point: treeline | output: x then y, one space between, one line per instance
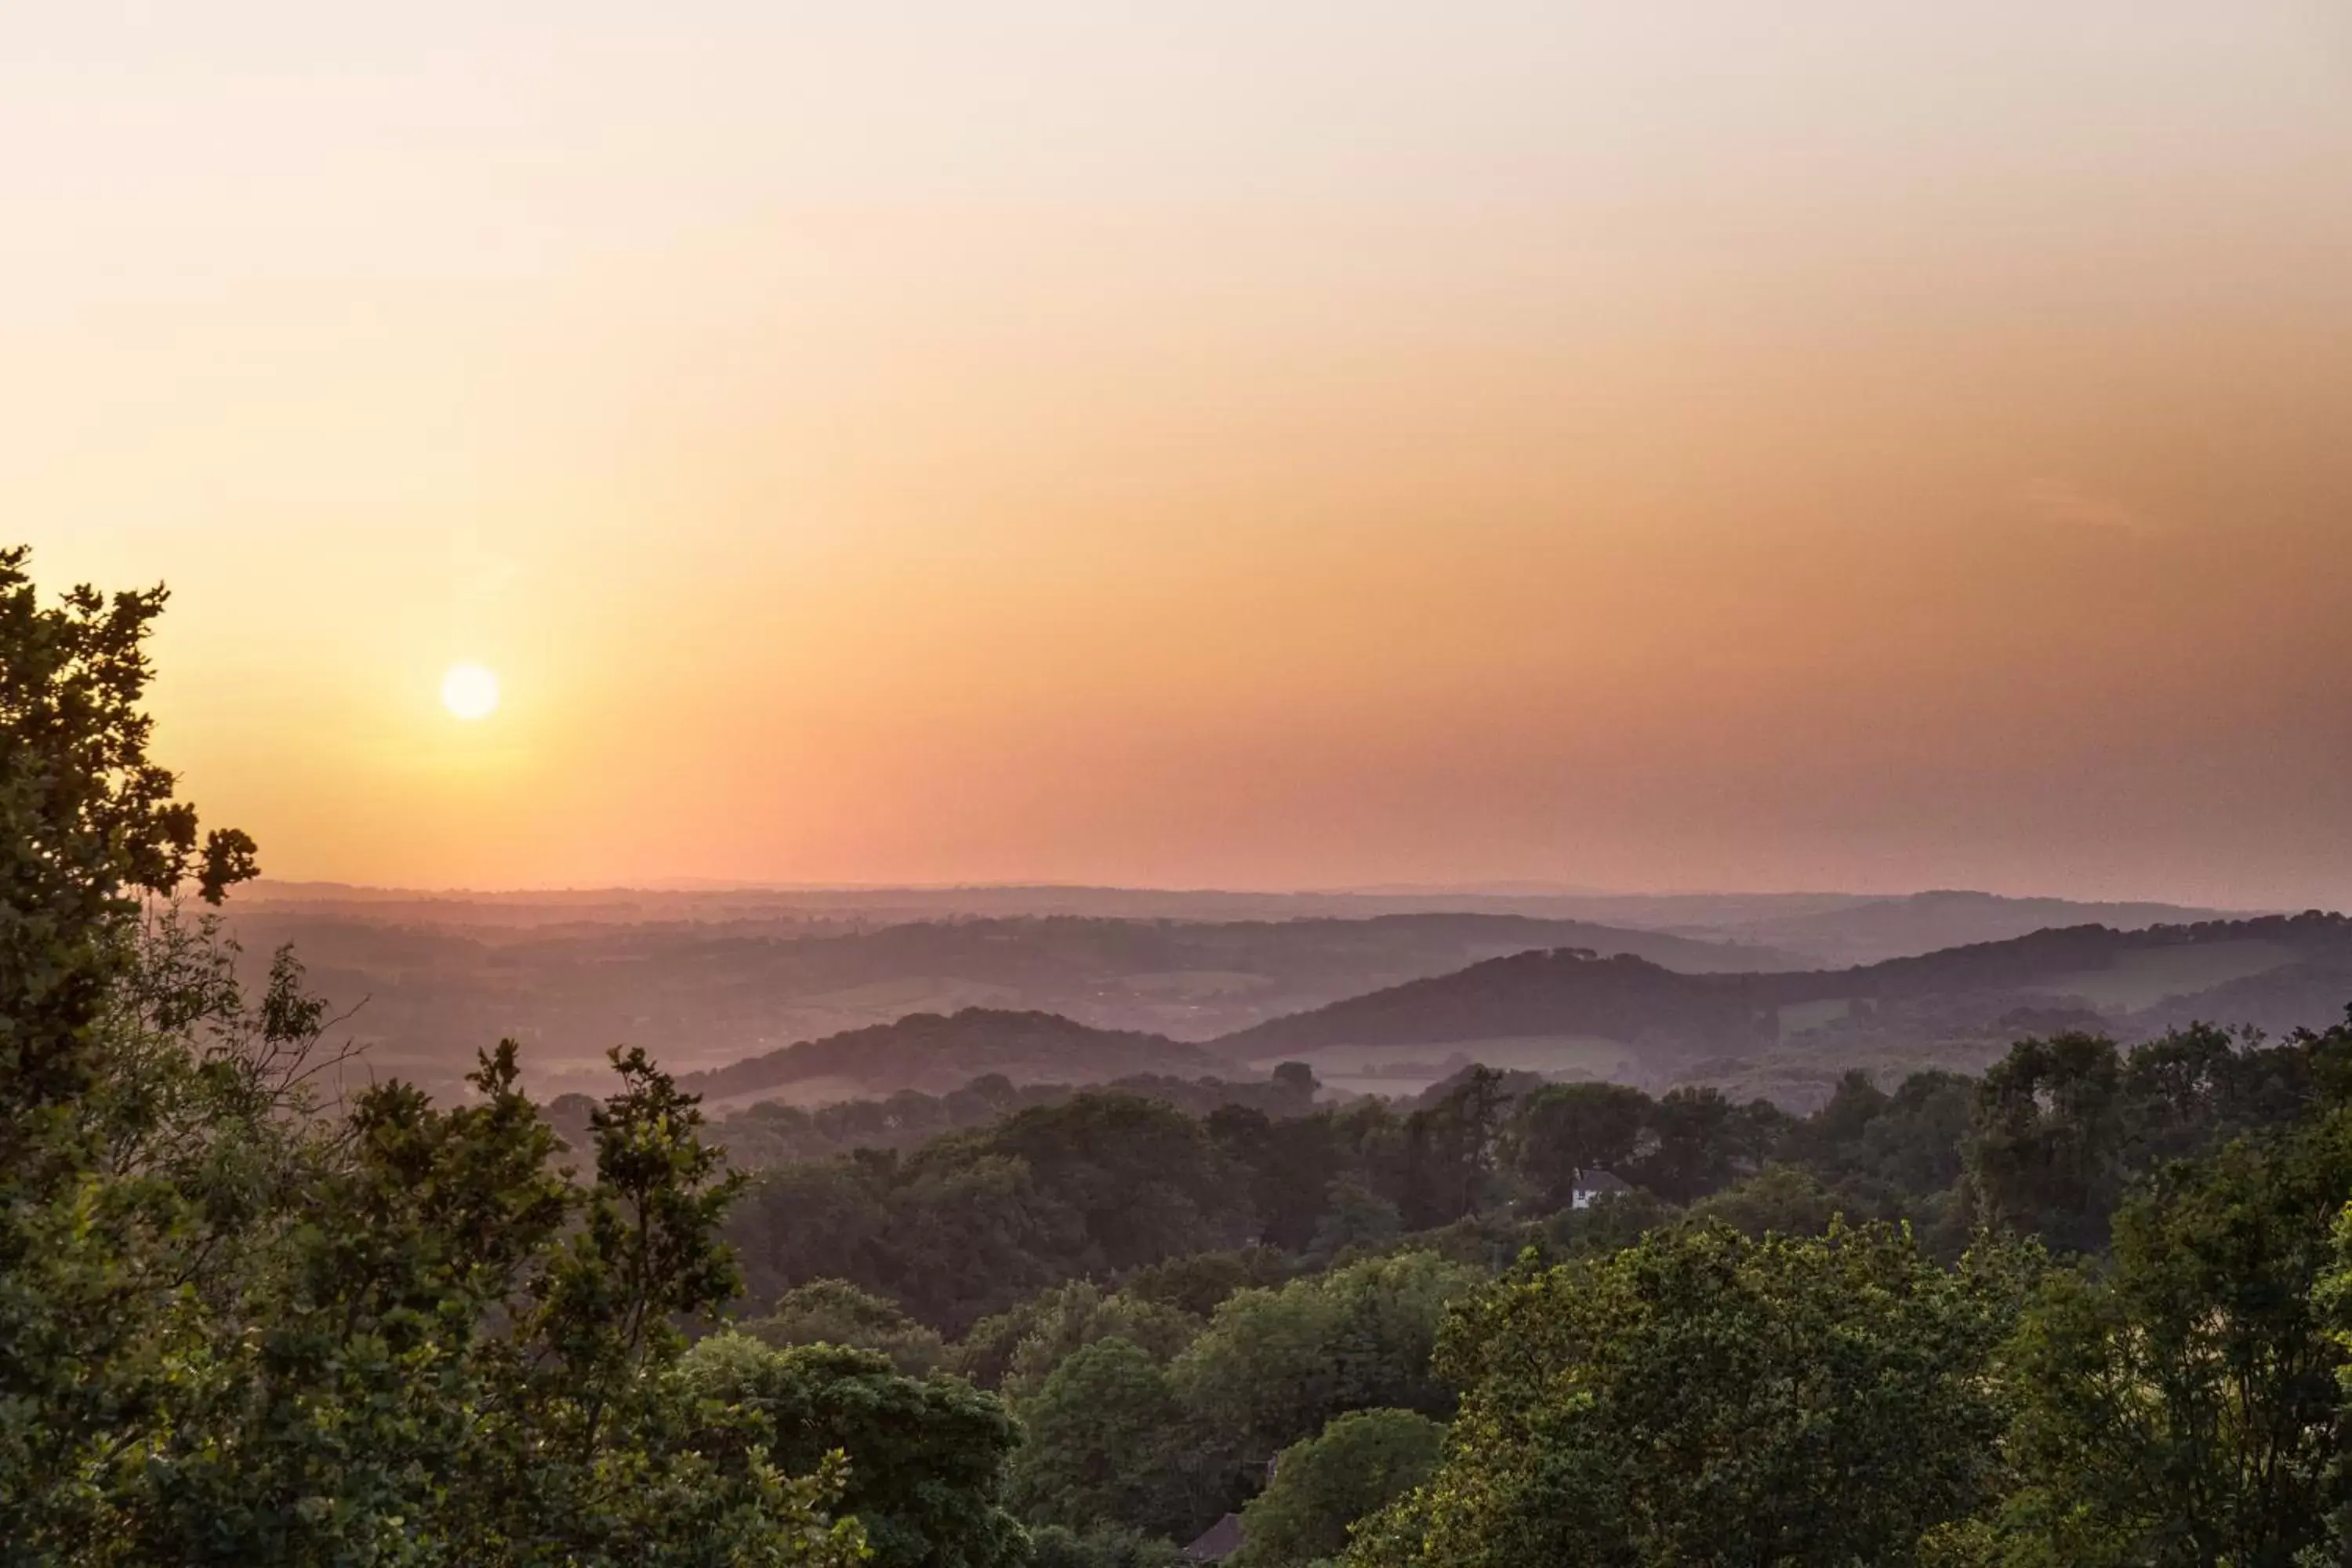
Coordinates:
774 1133
1098 1184
1092 1185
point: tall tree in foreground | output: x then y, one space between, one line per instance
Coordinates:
115 1154
235 1328
88 826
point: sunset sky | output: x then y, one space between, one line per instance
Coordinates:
1861 446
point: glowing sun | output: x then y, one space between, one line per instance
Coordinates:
470 691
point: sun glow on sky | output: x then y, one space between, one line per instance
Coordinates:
470 691
1693 444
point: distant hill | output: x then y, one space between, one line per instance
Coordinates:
1578 1014
902 906
934 1054
1866 931
703 978
1835 929
1565 993
572 976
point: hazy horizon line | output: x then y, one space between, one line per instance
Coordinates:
1522 890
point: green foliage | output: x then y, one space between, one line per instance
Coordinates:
2045 1157
2064 1128
1562 1133
97 1229
972 1224
1704 1398
1291 1160
835 1312
1697 1140
1119 1434
1912 1147
1611 1221
1355 1219
1778 1200
398 1338
88 822
1135 1181
1449 1152
1070 1317
1359 1464
159 1197
926 1458
985 1354
1199 1283
1016 1350
2183 1407
1107 1546
1106 1446
1275 1365
1891 1156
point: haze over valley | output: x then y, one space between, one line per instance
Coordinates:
1379 992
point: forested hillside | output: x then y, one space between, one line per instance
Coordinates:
931 1053
1791 1036
775 1133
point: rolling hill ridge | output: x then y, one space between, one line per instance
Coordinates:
1572 1012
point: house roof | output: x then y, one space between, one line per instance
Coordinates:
1217 1542
1603 1182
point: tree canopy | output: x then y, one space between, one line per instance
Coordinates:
1356 1466
1701 1397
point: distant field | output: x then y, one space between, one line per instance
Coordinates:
1802 1078
1186 984
1408 1070
2142 979
1798 1018
911 994
807 1094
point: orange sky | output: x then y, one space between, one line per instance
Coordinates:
1662 446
